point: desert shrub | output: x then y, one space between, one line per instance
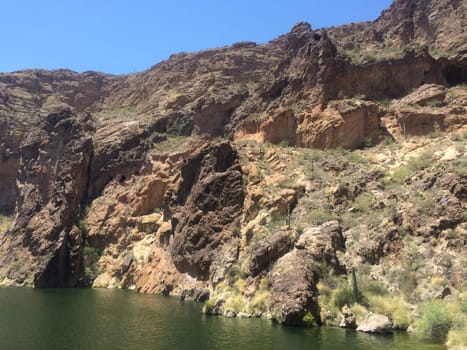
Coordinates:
394 306
359 311
424 202
375 288
401 174
91 256
208 306
259 304
422 161
324 290
320 216
350 219
171 143
457 338
343 296
309 159
463 301
236 274
460 148
5 222
355 157
362 201
277 221
460 167
82 225
435 321
309 320
235 302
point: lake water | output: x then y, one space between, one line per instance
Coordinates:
115 319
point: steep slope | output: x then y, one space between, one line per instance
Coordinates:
168 181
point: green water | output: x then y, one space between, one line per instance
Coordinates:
114 319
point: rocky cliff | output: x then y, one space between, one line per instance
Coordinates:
196 178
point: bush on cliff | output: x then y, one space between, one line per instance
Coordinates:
435 322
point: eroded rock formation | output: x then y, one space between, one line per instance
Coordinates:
165 181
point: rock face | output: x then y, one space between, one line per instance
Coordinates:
294 278
347 124
177 180
272 248
210 201
51 184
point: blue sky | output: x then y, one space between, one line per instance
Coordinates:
123 36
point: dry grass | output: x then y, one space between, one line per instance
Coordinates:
394 306
5 222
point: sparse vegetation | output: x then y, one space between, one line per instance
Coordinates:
422 161
342 296
5 222
362 202
91 256
208 306
393 306
309 320
435 321
171 144
319 216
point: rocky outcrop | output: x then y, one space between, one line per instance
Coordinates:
51 184
294 277
280 128
270 250
346 124
205 222
129 182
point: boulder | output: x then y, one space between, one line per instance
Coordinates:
293 278
375 323
348 319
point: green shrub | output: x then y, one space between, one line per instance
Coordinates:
319 216
208 306
457 338
343 296
435 322
259 304
401 174
5 222
422 161
309 320
91 256
376 288
355 157
394 306
235 302
407 284
363 201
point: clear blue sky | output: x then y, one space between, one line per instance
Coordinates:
123 36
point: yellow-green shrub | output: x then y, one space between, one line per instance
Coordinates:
435 322
394 306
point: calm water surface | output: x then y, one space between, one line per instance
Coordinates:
114 319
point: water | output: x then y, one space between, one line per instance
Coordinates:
115 319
